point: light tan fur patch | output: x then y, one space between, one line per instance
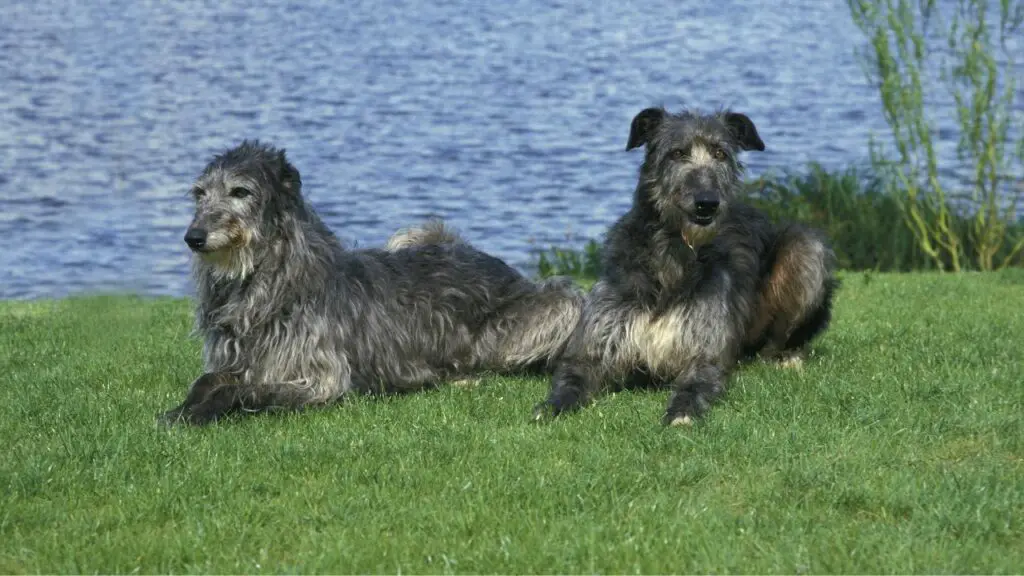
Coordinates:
669 343
700 155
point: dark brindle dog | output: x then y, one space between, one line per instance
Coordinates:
290 319
693 279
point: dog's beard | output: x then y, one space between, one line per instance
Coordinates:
696 236
234 260
693 235
229 264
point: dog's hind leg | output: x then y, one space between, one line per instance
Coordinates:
814 323
795 302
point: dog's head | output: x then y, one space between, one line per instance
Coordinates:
691 167
239 198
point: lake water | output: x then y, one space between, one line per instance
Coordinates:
509 119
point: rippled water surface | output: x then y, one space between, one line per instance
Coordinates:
507 118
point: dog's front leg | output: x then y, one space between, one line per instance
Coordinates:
585 368
197 394
216 394
573 385
693 392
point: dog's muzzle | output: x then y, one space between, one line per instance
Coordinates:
705 208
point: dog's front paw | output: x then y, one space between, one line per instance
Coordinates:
677 420
201 417
544 411
173 417
562 400
793 360
186 416
684 409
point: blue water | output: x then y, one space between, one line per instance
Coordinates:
509 119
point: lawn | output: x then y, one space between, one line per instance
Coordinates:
898 448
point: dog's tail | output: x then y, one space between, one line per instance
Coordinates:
430 232
533 333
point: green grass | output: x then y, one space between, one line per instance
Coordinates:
898 448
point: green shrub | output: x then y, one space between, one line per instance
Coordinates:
576 264
863 223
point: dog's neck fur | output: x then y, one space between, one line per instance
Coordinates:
671 258
646 260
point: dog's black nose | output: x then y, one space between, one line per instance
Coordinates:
195 238
706 205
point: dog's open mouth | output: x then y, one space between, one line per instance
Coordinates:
702 219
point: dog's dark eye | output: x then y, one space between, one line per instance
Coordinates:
678 155
198 193
719 154
239 192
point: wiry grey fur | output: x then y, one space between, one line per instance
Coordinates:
289 318
693 279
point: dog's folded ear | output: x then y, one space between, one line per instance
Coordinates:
643 126
743 129
289 175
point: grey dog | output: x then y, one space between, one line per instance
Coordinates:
693 279
289 318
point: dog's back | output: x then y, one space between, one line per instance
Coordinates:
454 309
469 284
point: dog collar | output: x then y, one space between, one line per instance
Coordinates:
687 242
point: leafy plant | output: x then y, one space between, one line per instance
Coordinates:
978 69
577 264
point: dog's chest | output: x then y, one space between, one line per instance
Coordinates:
241 336
694 325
